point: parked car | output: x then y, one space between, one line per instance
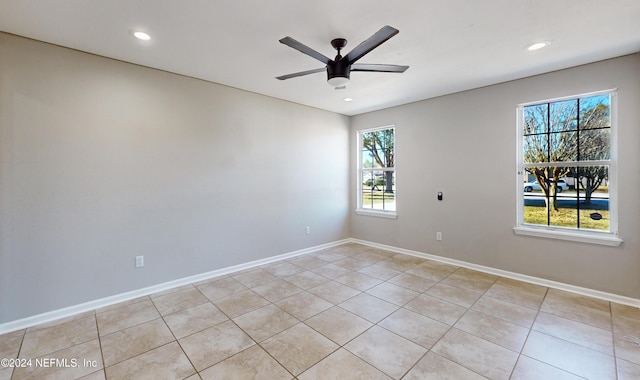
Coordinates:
531 186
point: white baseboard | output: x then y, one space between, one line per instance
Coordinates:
102 302
512 275
96 304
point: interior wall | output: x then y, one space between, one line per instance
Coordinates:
464 145
102 161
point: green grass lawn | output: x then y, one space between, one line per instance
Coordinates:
377 196
567 217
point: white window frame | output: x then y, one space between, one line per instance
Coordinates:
609 238
367 211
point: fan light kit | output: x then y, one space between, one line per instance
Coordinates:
339 69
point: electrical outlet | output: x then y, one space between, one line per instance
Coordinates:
139 261
307 230
438 236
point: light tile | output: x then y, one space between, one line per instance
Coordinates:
351 263
576 332
437 309
469 337
192 320
58 337
517 292
477 354
71 318
215 344
393 293
495 330
283 268
10 344
469 279
307 262
277 290
373 255
628 370
569 356
334 292
433 270
626 311
531 369
171 290
511 312
329 255
379 272
307 280
240 303
343 365
255 277
397 264
303 305
221 287
415 327
578 308
69 363
626 325
178 301
370 257
369 307
126 316
299 348
413 282
124 344
388 352
165 362
462 297
97 375
265 322
577 299
252 363
338 324
6 373
435 367
359 281
331 271
627 346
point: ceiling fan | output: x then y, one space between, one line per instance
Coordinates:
340 68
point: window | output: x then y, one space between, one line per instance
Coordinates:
566 173
376 172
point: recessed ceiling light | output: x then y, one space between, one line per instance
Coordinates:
141 35
348 99
538 45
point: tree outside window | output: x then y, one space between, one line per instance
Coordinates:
377 186
566 162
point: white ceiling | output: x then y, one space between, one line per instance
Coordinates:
450 45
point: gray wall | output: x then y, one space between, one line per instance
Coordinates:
464 144
101 161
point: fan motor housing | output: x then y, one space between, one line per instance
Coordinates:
338 68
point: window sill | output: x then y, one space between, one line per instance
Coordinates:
377 213
590 238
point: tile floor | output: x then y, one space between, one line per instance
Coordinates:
349 312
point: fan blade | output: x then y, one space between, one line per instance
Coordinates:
379 68
301 73
305 49
371 43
